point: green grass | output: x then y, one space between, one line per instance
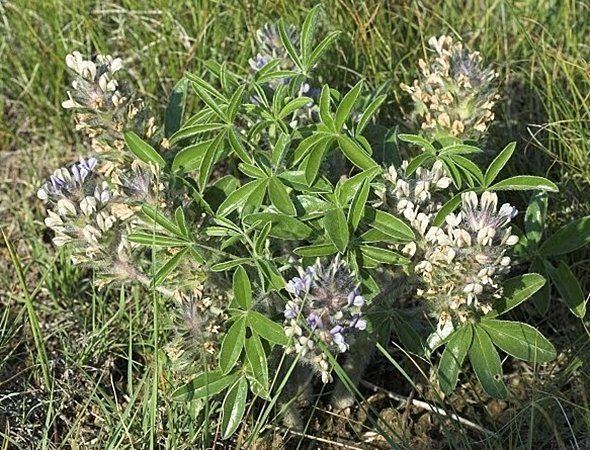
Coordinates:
85 369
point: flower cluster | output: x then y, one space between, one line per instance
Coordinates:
454 95
325 307
416 197
464 262
93 213
82 213
104 107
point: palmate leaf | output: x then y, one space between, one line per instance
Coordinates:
308 144
289 45
175 108
232 345
195 130
313 161
519 340
209 158
516 290
534 218
169 266
336 227
242 288
542 297
257 361
417 140
280 148
368 113
282 226
569 288
459 149
191 157
321 48
389 225
235 141
317 250
311 207
357 207
266 328
227 265
418 161
294 105
157 240
270 276
524 183
157 217
486 363
234 407
308 31
382 255
239 197
181 221
453 172
452 358
569 238
261 238
325 110
255 200
205 92
280 197
144 151
204 385
251 170
446 209
349 188
498 163
347 104
468 167
355 153
235 102
201 85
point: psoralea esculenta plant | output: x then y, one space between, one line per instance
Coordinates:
272 254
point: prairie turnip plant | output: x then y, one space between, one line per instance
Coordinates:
276 259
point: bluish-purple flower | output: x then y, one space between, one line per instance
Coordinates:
325 307
65 183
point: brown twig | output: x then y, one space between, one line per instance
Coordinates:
428 407
314 438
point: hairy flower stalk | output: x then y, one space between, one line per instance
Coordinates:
200 319
324 313
453 95
105 108
461 270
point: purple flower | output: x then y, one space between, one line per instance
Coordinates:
325 306
66 183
